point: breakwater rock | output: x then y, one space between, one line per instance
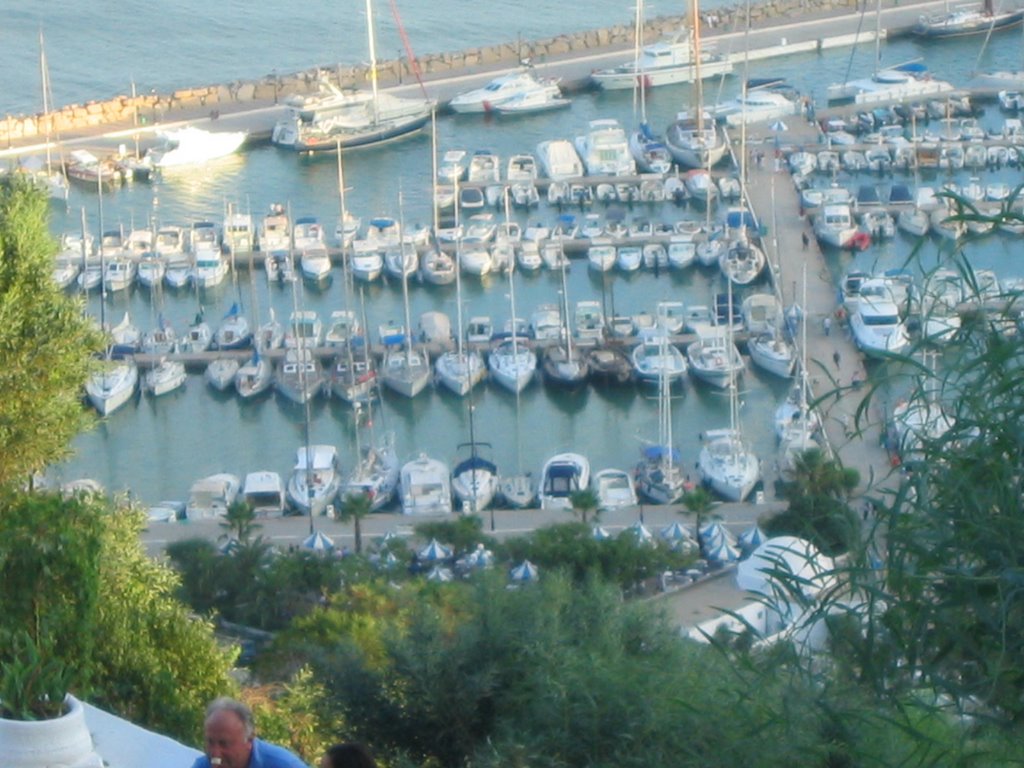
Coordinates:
147 109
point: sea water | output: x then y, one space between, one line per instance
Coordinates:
158 446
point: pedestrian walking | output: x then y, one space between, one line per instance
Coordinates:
836 358
806 239
827 324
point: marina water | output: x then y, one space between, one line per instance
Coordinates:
158 447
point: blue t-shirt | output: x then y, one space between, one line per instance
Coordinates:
264 755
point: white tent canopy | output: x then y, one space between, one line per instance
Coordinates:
434 551
318 542
784 563
525 571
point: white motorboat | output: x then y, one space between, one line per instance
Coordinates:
546 97
425 486
834 225
315 478
165 377
604 149
655 358
601 255
208 269
629 258
315 264
875 323
192 146
500 91
119 273
561 476
663 63
112 385
264 492
771 352
941 296
238 236
743 261
559 159
614 489
151 270
275 233
211 496
714 358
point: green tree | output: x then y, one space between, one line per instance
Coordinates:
240 521
46 342
818 489
584 503
700 504
355 507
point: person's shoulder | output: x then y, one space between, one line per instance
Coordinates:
267 755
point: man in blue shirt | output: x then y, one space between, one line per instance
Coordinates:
231 740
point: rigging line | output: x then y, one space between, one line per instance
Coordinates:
414 64
853 48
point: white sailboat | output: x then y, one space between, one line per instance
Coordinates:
693 139
659 475
474 478
348 120
462 368
649 152
52 180
405 369
726 462
376 471
513 364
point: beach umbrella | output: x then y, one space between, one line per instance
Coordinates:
714 535
751 539
600 533
674 532
318 542
525 571
723 552
437 573
434 551
229 547
778 127
784 562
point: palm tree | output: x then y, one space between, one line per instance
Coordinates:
240 522
356 506
699 502
584 502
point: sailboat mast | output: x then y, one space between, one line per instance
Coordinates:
405 280
565 305
640 90
44 80
373 55
698 84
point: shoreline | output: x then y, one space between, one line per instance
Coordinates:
142 111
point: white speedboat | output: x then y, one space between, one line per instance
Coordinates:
112 385
614 489
604 149
315 478
264 492
655 359
211 496
546 97
875 323
561 476
425 486
499 92
714 358
559 159
835 226
756 106
192 146
664 63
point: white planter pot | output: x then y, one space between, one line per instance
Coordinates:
64 741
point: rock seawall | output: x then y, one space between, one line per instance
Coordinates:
146 109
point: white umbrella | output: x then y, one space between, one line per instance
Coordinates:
674 532
525 571
639 532
318 542
600 533
778 126
437 573
434 551
784 562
